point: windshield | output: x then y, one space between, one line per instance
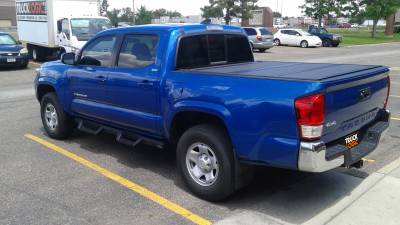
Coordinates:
323 31
304 33
6 39
85 28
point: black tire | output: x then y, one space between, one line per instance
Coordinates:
217 139
23 66
327 43
304 44
335 45
37 53
277 42
262 49
65 123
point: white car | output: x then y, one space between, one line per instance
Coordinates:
296 37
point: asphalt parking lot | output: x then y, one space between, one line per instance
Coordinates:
94 180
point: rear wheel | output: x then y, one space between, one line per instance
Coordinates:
304 44
56 122
205 161
335 44
277 42
262 49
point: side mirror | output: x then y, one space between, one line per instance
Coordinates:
59 26
298 34
19 42
68 58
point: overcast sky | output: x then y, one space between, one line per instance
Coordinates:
192 7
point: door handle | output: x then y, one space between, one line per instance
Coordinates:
101 78
145 83
91 69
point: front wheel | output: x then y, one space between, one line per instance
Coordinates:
304 44
277 42
205 161
326 43
56 122
262 49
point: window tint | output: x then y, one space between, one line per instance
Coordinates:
138 51
238 49
216 48
250 31
264 31
98 52
203 50
284 32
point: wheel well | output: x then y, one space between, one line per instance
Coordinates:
43 89
185 120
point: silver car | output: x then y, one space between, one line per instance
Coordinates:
260 38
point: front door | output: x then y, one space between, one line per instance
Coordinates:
87 79
133 85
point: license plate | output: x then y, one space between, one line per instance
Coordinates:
11 60
351 141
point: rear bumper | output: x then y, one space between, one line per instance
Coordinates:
263 45
319 157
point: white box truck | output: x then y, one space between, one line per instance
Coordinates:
53 27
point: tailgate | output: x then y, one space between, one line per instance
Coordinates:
354 104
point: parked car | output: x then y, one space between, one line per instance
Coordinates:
344 25
328 39
260 38
12 53
296 37
198 87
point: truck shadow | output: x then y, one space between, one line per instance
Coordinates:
288 196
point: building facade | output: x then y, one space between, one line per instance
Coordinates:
7 13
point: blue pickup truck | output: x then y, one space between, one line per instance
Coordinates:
197 89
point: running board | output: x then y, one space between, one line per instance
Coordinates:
126 138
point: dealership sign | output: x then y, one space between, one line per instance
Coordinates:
34 10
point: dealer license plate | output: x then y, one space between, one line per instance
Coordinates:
11 60
351 141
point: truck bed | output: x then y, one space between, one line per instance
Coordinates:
309 72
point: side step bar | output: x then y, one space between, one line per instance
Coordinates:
126 138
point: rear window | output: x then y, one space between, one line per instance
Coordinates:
264 31
250 31
213 49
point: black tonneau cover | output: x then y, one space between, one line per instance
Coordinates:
287 70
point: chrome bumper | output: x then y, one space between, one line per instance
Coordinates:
313 155
312 158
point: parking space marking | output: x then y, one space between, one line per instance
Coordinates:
34 63
394 118
394 96
124 182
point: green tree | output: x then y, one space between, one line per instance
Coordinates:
276 14
163 12
379 9
126 15
245 10
319 9
113 15
222 8
143 16
104 7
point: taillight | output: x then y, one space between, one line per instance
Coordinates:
310 116
259 38
388 93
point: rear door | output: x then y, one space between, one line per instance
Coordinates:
133 85
87 79
251 34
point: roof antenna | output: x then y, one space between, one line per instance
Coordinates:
206 21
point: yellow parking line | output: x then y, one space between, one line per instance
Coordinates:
394 118
368 160
124 182
394 96
34 63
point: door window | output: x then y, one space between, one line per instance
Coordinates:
98 52
138 51
65 28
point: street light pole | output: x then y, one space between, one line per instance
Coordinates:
133 11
